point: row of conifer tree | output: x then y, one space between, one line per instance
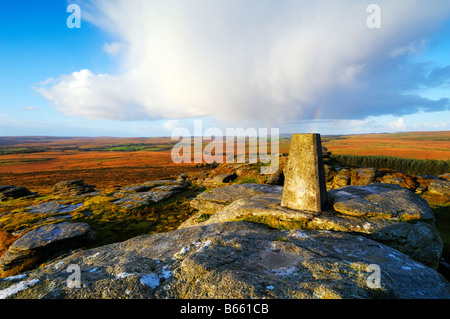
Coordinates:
406 165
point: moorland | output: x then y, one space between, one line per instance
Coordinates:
39 162
113 164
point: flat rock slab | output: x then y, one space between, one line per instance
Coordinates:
143 198
440 187
54 207
48 234
72 188
258 206
363 176
238 260
380 200
150 192
219 180
136 189
13 192
168 182
42 242
216 199
168 188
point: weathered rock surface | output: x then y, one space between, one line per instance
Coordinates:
72 188
13 192
234 260
219 180
382 200
217 199
363 176
326 155
213 201
420 241
341 179
149 192
440 187
410 182
53 207
391 179
41 243
383 207
168 182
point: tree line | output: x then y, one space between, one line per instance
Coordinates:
406 165
21 150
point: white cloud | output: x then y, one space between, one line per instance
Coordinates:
95 96
47 82
414 47
398 126
427 126
349 73
243 60
337 126
112 48
170 125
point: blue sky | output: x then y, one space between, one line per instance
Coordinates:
144 68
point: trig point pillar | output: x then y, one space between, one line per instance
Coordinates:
304 178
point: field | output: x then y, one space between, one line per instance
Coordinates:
415 145
38 163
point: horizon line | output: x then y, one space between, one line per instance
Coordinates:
168 136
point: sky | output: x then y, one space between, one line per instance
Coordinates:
147 67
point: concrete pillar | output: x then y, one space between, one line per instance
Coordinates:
305 188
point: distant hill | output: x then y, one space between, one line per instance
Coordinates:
415 145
